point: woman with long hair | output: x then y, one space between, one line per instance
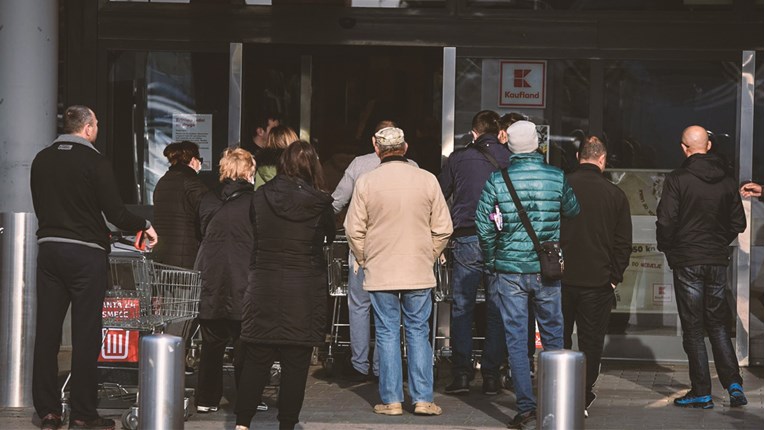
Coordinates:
286 300
176 202
268 158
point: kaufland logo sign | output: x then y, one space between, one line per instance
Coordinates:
522 84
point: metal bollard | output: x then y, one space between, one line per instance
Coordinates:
161 383
561 390
18 307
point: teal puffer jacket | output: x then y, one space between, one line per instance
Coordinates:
545 196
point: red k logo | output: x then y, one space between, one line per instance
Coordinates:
519 78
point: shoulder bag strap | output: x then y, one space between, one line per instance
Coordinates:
521 211
232 196
486 154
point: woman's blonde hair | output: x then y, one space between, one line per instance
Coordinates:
236 163
280 137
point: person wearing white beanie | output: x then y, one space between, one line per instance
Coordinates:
522 137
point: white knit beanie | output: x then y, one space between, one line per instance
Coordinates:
522 137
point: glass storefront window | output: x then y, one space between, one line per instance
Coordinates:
647 104
158 97
640 109
554 94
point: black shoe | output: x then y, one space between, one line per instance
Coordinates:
524 420
460 385
99 423
355 376
490 385
51 422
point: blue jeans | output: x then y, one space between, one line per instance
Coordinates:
416 307
359 307
512 292
468 273
702 303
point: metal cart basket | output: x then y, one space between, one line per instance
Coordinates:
144 297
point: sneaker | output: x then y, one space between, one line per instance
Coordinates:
262 406
51 422
737 396
354 375
205 409
460 385
524 420
99 423
427 408
690 400
490 385
389 409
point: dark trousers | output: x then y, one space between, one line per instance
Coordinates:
590 308
76 274
216 336
258 359
702 304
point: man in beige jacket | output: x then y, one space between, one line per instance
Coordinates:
397 225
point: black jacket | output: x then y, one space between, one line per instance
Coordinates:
176 216
72 186
464 176
699 214
226 249
596 244
286 300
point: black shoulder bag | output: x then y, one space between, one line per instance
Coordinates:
550 254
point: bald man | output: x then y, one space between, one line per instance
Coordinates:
699 215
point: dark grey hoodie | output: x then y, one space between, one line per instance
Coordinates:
700 213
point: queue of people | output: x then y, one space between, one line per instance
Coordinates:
257 238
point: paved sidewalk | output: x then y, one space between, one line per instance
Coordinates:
630 396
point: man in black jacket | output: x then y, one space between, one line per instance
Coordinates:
73 188
699 214
462 178
597 246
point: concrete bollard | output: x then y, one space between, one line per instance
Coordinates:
161 383
561 390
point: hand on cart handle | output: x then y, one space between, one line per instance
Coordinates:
142 236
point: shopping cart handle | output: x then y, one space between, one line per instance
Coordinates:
141 243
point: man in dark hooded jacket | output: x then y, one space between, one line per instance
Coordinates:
699 214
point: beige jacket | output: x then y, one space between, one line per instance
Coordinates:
397 225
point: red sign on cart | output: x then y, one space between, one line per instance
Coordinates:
119 345
121 308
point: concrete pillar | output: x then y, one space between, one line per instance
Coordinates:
28 93
28 97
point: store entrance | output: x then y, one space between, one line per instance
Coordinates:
334 96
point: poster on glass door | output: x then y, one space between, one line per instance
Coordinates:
195 128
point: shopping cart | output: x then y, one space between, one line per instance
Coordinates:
443 297
337 256
145 298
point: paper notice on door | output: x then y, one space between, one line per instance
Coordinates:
195 128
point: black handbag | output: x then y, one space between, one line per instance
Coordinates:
549 253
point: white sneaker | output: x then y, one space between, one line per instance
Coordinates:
262 406
206 409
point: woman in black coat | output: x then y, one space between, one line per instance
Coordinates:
176 202
285 304
227 216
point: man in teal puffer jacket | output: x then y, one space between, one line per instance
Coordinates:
508 251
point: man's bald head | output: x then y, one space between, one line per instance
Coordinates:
695 140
